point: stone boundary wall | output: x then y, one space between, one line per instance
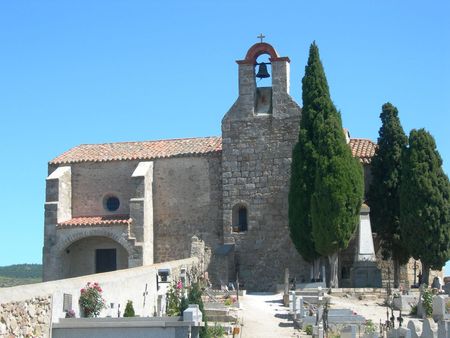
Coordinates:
26 318
36 306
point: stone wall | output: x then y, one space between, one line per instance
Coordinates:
93 181
256 162
32 300
26 318
187 198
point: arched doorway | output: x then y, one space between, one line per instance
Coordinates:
91 255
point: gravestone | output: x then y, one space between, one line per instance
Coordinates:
296 308
437 283
348 332
446 288
412 328
286 287
439 307
444 329
405 302
401 332
365 272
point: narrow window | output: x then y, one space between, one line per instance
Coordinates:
240 218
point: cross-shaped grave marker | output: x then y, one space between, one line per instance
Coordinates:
145 294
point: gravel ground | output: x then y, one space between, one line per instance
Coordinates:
263 314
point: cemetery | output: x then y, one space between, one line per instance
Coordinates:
178 238
318 315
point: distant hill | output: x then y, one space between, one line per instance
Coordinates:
19 274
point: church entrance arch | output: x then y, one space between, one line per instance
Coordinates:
91 255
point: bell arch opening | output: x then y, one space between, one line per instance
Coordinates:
91 255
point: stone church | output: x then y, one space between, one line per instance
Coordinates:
119 205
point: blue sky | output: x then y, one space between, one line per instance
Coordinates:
102 71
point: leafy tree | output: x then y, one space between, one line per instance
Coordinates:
425 203
384 192
304 157
338 192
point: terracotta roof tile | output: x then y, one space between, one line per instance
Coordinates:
144 150
363 148
147 150
83 221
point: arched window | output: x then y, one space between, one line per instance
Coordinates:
240 218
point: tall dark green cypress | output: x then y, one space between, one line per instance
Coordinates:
425 203
338 192
304 157
384 193
326 181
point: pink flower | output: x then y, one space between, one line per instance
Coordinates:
179 285
83 290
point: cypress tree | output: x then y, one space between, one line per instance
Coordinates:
425 203
339 188
326 181
303 169
384 193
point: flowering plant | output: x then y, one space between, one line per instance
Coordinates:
175 299
91 300
70 314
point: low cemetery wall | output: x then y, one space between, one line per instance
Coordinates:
26 318
30 309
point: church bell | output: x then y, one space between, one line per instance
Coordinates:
262 71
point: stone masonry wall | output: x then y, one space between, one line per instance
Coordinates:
27 318
256 159
91 182
187 198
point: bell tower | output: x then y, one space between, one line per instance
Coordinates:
258 135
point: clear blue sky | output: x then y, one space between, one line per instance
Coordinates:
76 72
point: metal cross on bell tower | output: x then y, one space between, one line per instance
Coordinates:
261 37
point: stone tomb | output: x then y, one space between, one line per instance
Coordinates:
365 272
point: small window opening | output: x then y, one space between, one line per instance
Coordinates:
112 203
240 218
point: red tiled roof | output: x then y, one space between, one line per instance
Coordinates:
362 148
145 150
82 221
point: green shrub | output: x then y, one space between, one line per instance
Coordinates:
369 327
413 311
309 330
129 310
427 301
216 331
